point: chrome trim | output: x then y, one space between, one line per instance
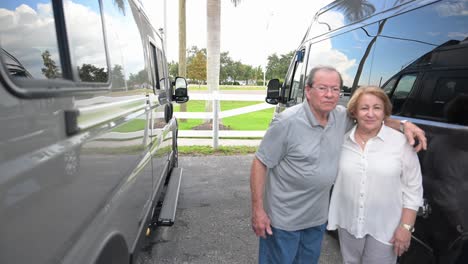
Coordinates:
91 116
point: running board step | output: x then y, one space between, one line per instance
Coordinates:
169 207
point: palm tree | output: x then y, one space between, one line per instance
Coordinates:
214 54
355 10
182 48
121 5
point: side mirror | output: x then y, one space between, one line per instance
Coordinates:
180 93
273 91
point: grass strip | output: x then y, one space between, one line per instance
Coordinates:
221 151
183 150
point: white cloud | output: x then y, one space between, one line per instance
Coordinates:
30 30
452 9
28 33
457 35
86 36
322 53
122 51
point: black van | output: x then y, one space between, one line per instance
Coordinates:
418 52
88 143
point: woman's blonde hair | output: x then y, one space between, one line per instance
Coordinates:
373 90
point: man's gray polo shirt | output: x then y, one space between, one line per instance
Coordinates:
302 160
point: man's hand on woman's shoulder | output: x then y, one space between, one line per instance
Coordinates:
415 136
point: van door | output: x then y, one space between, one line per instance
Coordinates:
440 108
161 137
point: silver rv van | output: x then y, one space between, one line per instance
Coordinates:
417 51
88 141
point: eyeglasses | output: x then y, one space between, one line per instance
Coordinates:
324 89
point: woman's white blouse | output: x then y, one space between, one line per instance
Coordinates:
374 184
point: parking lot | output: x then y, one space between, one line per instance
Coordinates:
213 218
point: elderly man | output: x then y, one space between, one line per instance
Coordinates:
295 167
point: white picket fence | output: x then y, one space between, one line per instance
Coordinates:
215 134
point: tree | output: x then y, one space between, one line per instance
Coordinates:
91 73
50 69
258 74
118 79
173 69
277 66
120 5
197 67
138 79
225 62
236 71
247 73
356 10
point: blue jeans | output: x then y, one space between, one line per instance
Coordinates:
288 247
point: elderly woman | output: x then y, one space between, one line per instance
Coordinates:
378 189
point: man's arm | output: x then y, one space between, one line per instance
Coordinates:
411 131
260 220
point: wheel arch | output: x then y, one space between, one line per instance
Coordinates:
114 250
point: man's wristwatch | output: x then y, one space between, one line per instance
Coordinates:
408 227
402 125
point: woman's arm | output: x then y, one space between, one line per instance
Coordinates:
412 197
402 236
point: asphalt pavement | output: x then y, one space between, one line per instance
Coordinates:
213 218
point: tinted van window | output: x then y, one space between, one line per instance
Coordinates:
409 41
336 51
448 93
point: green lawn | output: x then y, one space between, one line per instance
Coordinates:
188 124
258 120
132 126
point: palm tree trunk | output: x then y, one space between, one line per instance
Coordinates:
213 59
213 46
182 48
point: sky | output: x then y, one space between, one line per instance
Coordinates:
249 32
